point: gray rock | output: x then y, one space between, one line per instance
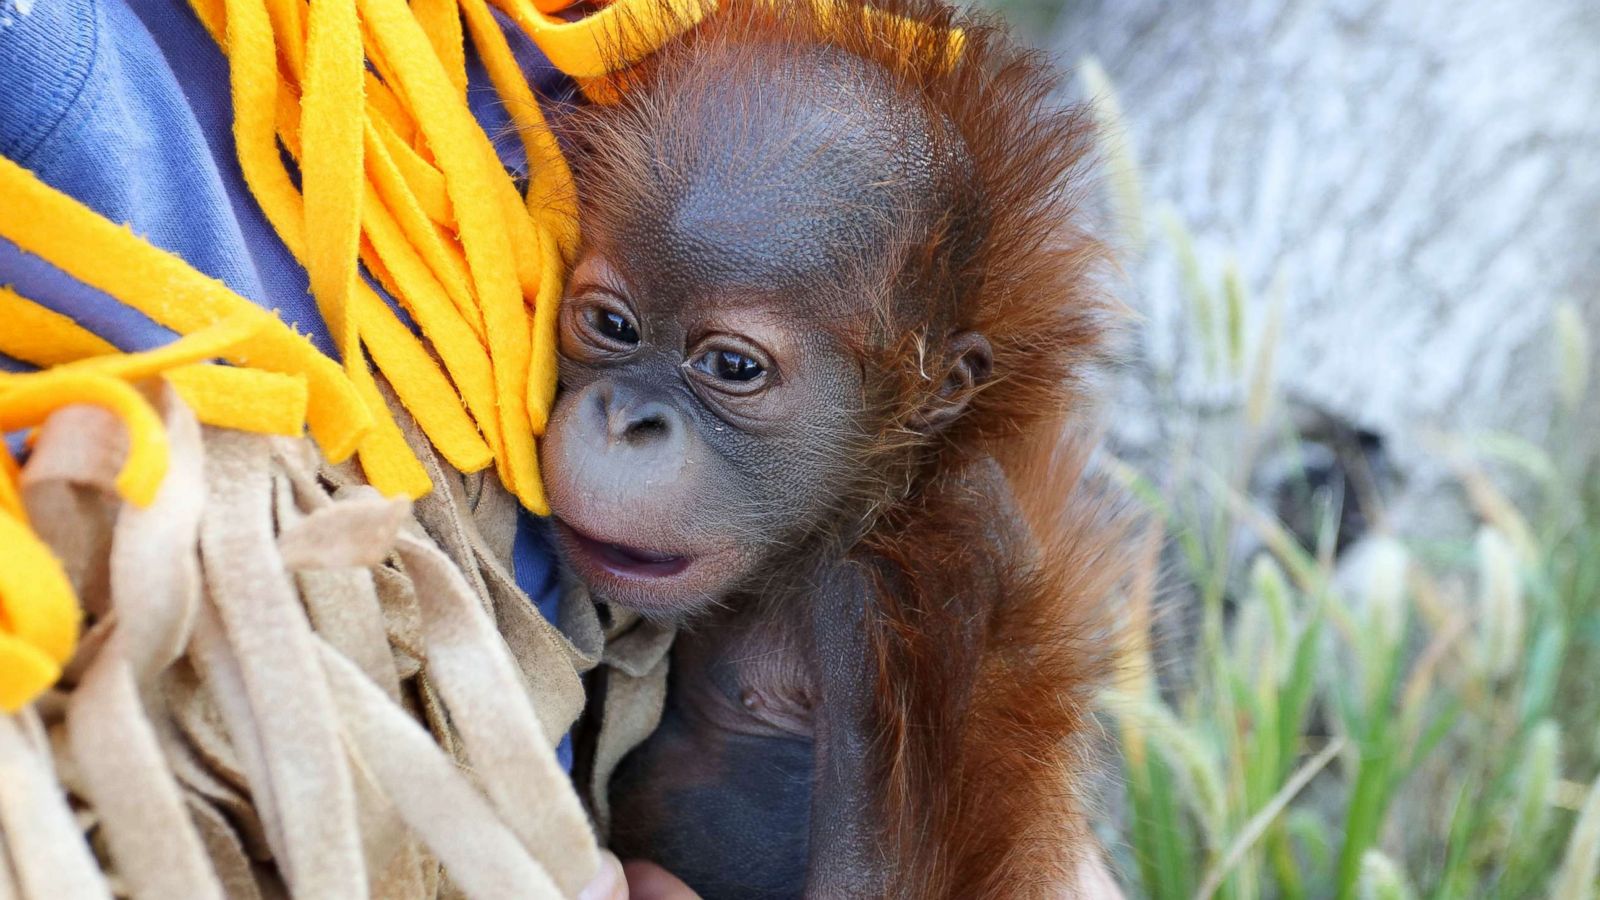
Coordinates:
1420 179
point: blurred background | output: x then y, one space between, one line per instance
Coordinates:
1361 243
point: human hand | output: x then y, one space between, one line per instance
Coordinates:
640 880
636 880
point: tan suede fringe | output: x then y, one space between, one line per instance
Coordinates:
290 685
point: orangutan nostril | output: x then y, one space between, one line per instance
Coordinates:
647 429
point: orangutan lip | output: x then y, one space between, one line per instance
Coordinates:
624 561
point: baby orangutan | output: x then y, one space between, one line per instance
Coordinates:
829 320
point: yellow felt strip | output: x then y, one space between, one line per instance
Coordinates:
457 144
416 379
423 389
10 501
224 396
290 23
441 22
634 27
450 271
460 349
388 462
46 338
27 399
43 337
213 16
551 192
36 600
521 230
78 241
206 343
457 263
242 399
542 366
25 672
378 158
389 111
330 164
551 197
425 181
519 223
519 226
514 214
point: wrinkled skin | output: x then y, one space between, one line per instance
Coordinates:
658 454
742 249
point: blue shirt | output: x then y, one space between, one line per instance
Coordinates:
125 105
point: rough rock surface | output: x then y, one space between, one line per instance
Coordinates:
1421 179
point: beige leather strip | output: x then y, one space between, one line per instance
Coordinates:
480 853
344 610
218 668
503 738
267 629
221 785
546 661
357 532
155 572
52 861
226 850
250 708
69 489
632 710
118 762
153 842
9 889
388 845
443 514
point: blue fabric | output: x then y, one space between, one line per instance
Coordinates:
124 105
534 564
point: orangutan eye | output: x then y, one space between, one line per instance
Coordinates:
615 326
729 365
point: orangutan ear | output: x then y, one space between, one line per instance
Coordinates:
969 364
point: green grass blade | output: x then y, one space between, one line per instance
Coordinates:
1576 878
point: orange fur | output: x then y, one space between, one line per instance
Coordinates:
984 760
986 652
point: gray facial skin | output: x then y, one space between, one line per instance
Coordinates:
707 444
711 408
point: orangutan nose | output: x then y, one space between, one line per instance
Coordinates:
629 419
